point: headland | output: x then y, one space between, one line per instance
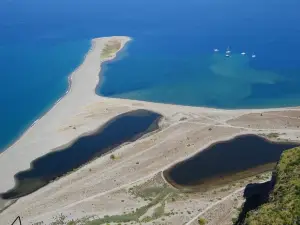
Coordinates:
97 189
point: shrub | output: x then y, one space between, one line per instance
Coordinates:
201 221
284 202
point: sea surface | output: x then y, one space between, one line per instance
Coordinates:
170 59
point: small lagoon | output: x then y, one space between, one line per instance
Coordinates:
126 127
227 161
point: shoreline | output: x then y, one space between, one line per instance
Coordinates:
123 45
185 131
71 83
169 180
102 177
69 78
72 79
104 147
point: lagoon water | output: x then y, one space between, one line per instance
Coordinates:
87 147
171 58
229 160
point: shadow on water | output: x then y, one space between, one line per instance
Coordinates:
123 128
224 162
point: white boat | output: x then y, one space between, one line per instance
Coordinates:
216 50
253 56
227 55
243 53
228 51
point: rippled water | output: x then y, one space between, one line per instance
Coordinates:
170 60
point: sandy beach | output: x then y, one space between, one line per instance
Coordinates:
184 132
83 82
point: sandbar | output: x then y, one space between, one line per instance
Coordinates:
184 132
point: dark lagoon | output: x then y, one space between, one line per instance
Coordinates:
124 128
223 162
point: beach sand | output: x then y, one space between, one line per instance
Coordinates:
83 82
184 132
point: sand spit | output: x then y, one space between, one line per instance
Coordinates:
35 141
101 187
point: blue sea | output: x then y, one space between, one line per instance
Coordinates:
170 59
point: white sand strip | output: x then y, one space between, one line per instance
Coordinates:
43 135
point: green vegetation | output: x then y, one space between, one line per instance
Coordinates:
146 219
38 223
234 220
113 157
147 192
283 207
159 211
201 221
72 222
59 220
159 194
110 48
133 216
272 135
154 192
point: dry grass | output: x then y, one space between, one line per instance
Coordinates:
110 48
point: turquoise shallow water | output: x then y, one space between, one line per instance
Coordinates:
202 77
215 81
170 59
